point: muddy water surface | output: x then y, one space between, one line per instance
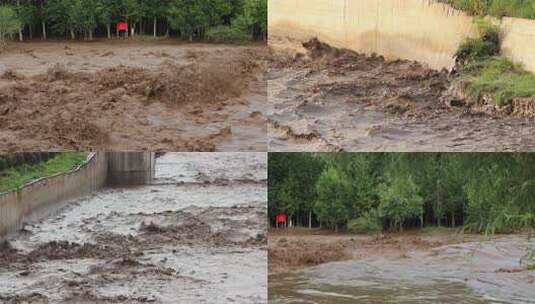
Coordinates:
197 235
475 272
133 95
331 100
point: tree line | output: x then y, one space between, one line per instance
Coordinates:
366 192
187 19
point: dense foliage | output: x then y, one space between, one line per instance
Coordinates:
187 19
9 23
367 192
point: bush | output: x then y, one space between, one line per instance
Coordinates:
224 33
370 222
487 45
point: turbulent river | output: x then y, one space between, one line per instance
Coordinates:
475 272
196 235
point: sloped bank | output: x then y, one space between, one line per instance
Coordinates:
40 197
422 30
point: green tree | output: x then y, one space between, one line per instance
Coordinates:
9 23
400 200
332 201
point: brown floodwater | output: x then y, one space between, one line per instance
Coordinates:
196 235
324 99
473 272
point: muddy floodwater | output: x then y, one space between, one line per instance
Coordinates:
472 272
133 95
323 99
196 235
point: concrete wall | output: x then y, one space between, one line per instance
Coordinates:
421 30
130 168
519 41
39 197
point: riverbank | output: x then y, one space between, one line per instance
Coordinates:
295 249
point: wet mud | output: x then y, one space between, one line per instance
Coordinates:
326 99
427 271
125 95
182 239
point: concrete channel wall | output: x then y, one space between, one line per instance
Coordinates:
130 168
40 197
421 30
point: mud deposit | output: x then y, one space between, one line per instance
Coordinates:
470 272
197 235
133 95
326 99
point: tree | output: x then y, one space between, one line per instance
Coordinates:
27 14
332 201
9 23
400 200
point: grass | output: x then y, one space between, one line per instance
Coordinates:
498 77
16 177
496 8
485 73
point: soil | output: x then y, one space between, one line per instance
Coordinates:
292 250
182 239
133 95
327 99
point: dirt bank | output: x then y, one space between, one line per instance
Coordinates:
133 96
325 99
293 250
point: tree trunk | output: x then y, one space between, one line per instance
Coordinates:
336 228
422 221
90 35
155 26
43 24
167 30
21 38
310 219
30 29
108 30
453 220
72 34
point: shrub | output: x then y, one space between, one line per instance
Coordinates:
224 33
488 44
370 222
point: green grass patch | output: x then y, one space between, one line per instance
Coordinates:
16 177
499 77
496 8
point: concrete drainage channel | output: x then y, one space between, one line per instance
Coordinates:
194 232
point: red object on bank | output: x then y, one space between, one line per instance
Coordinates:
122 26
281 218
